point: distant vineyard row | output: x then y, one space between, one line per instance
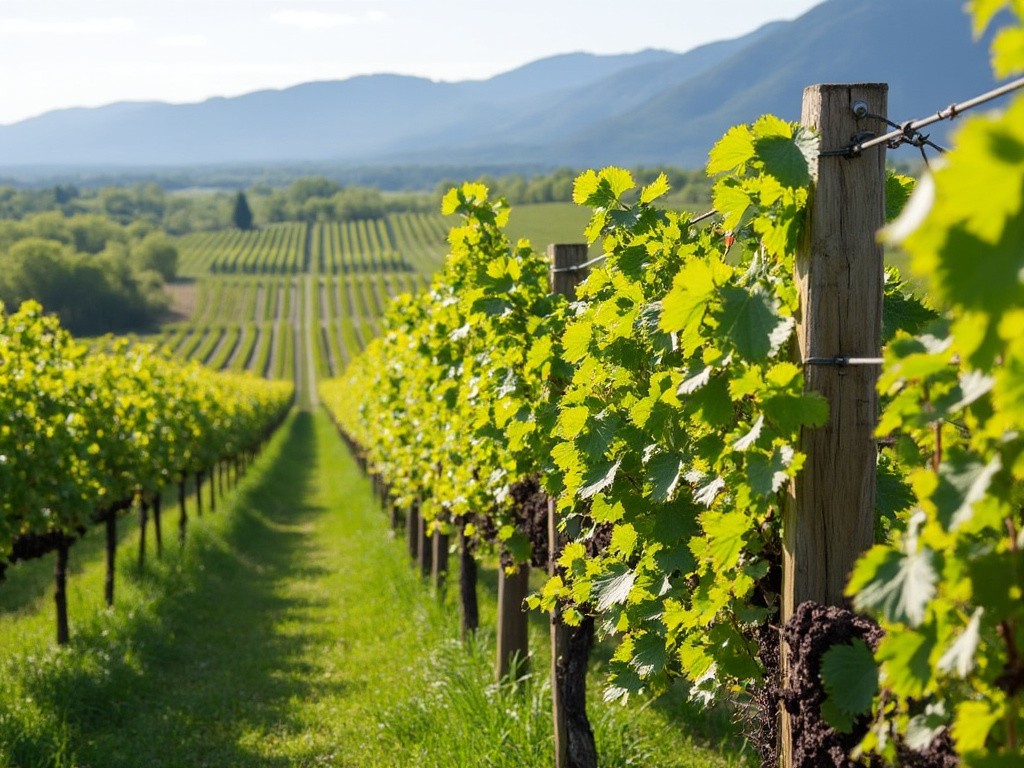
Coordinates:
403 242
251 324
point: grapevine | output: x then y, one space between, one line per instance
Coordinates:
947 586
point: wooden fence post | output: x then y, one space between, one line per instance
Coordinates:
182 513
439 561
574 738
158 523
424 548
513 648
60 592
111 541
829 520
143 522
412 530
467 584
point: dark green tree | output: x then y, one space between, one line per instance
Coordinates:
242 215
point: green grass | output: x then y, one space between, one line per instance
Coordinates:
546 223
290 631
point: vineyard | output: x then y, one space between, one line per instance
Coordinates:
732 463
258 296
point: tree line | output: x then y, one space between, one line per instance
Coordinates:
96 274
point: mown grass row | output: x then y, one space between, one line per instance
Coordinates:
290 631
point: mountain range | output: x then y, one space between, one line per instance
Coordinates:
578 109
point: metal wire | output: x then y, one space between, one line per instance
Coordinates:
909 132
840 360
603 256
580 267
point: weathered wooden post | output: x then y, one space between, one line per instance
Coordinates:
143 522
199 493
829 520
424 547
60 592
182 513
110 524
412 530
513 648
574 738
439 561
467 584
158 523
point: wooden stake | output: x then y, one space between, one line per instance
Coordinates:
424 548
143 522
412 530
513 649
182 513
60 592
467 586
829 520
111 530
439 561
570 647
199 494
157 524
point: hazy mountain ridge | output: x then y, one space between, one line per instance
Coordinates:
574 109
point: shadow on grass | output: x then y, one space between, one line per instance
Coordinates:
202 672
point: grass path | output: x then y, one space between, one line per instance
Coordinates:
289 632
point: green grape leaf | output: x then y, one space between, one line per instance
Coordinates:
897 192
598 478
768 474
571 421
784 160
850 678
906 662
896 585
655 189
624 540
649 655
584 187
751 320
731 200
751 436
923 729
664 472
974 721
904 312
790 412
991 588
893 494
613 588
706 494
576 340
959 658
962 483
1008 52
983 12
726 534
685 304
732 151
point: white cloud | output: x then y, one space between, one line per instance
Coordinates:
183 41
319 20
118 25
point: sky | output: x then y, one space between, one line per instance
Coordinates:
69 53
